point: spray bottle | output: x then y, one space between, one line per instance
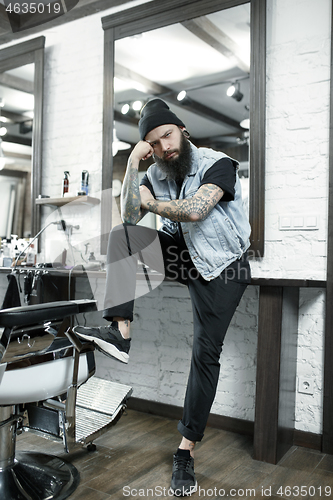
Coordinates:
65 183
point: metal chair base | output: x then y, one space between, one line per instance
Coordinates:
37 476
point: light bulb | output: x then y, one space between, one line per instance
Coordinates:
231 90
125 109
137 105
181 96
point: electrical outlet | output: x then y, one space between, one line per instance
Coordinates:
305 385
290 222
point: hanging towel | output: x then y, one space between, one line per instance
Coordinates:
12 296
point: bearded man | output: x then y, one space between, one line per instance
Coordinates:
202 244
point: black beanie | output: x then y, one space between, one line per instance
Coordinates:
155 113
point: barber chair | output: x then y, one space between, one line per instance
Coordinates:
47 387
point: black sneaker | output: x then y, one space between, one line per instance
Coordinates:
183 482
107 339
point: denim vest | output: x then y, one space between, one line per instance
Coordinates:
223 236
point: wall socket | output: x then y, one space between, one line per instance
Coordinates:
305 385
305 222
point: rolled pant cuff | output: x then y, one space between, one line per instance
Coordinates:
189 434
119 312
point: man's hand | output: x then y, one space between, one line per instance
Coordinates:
146 196
142 151
130 196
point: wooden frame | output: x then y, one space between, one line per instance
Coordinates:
156 14
12 57
327 446
22 179
276 372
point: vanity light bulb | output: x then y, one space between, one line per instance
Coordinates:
3 131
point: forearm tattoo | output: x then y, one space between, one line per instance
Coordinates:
131 201
188 210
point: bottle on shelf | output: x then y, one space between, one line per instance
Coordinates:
65 183
6 257
84 182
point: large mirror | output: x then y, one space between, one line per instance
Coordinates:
203 50
21 97
16 122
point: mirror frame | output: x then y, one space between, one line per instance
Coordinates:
157 14
12 57
327 432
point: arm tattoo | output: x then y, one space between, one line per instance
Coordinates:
189 210
130 199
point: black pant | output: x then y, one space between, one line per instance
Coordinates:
214 303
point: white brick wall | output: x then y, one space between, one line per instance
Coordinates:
298 73
73 82
310 359
161 351
298 60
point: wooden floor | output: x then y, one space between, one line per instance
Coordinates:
134 460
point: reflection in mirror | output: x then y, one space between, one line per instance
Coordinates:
210 97
22 84
17 111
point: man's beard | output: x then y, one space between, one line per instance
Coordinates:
176 169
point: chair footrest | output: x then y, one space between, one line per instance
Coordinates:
99 404
91 424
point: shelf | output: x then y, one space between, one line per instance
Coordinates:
75 200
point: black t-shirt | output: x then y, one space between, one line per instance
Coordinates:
222 174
